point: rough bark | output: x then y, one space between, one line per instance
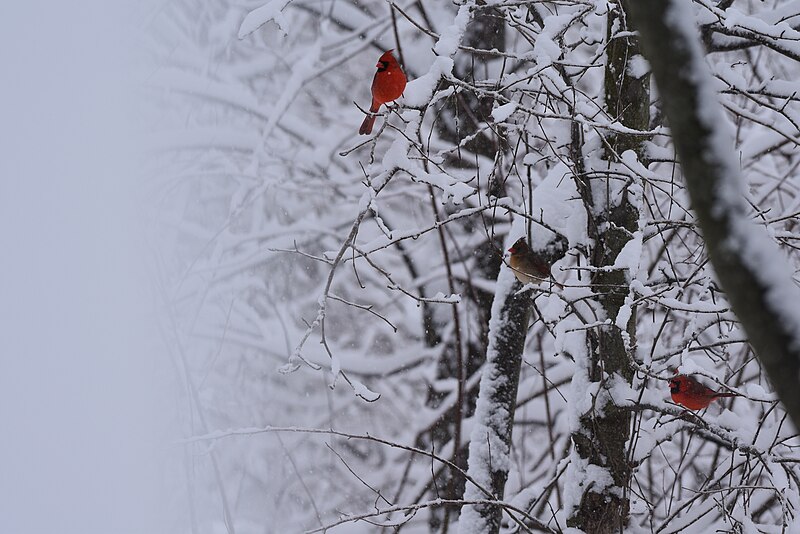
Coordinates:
490 442
459 118
603 432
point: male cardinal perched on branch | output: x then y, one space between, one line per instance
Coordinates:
690 393
387 85
527 265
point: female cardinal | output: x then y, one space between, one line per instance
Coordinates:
387 85
527 265
690 393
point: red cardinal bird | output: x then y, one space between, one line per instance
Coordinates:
527 265
387 85
692 394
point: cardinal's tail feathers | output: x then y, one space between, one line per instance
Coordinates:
366 126
369 120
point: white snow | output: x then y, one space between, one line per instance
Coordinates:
630 255
638 66
450 38
396 157
756 391
271 11
545 50
364 392
501 113
419 91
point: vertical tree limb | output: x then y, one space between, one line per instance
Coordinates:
602 432
748 264
490 442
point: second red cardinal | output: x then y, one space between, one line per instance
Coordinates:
387 85
690 393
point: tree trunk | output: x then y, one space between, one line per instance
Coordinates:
490 442
601 436
462 117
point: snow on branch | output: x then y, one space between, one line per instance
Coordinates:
489 446
258 17
750 267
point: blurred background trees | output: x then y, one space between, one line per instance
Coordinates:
367 265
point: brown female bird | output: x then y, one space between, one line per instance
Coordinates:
690 393
528 266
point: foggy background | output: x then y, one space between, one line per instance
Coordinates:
78 364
